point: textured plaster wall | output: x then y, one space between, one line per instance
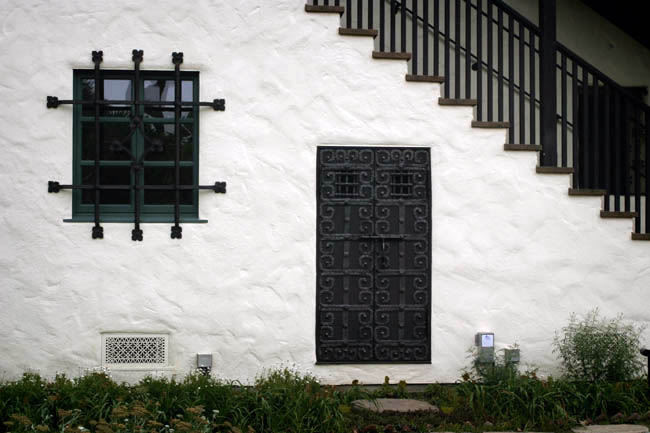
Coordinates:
512 252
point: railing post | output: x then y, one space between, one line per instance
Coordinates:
646 353
548 93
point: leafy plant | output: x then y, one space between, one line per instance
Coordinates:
599 349
391 391
489 372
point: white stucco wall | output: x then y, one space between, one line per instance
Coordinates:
512 252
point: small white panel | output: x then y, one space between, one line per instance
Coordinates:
487 340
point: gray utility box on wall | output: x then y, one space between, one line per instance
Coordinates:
204 360
485 344
511 356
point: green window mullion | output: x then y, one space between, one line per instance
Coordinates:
105 119
167 163
166 120
87 163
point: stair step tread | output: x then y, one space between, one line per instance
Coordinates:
614 214
641 236
554 170
587 192
482 124
527 147
324 9
461 102
345 31
425 78
391 55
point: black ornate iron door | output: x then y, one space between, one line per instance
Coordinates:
374 255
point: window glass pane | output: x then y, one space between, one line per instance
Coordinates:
111 135
163 134
112 90
165 176
107 176
163 90
117 90
88 94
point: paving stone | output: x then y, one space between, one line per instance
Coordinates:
510 432
612 428
394 405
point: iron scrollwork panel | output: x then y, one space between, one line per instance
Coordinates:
345 260
373 294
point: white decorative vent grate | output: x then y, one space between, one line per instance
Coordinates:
135 350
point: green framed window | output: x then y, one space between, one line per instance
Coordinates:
153 143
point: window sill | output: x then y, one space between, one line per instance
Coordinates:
144 219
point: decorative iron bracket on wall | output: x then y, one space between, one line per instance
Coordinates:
154 145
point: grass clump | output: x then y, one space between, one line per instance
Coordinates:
526 402
286 401
279 401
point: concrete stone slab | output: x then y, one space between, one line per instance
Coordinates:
612 428
394 405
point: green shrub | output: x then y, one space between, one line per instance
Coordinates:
599 349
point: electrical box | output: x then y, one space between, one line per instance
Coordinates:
204 360
485 344
511 356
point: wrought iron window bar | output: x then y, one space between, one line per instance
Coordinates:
137 161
